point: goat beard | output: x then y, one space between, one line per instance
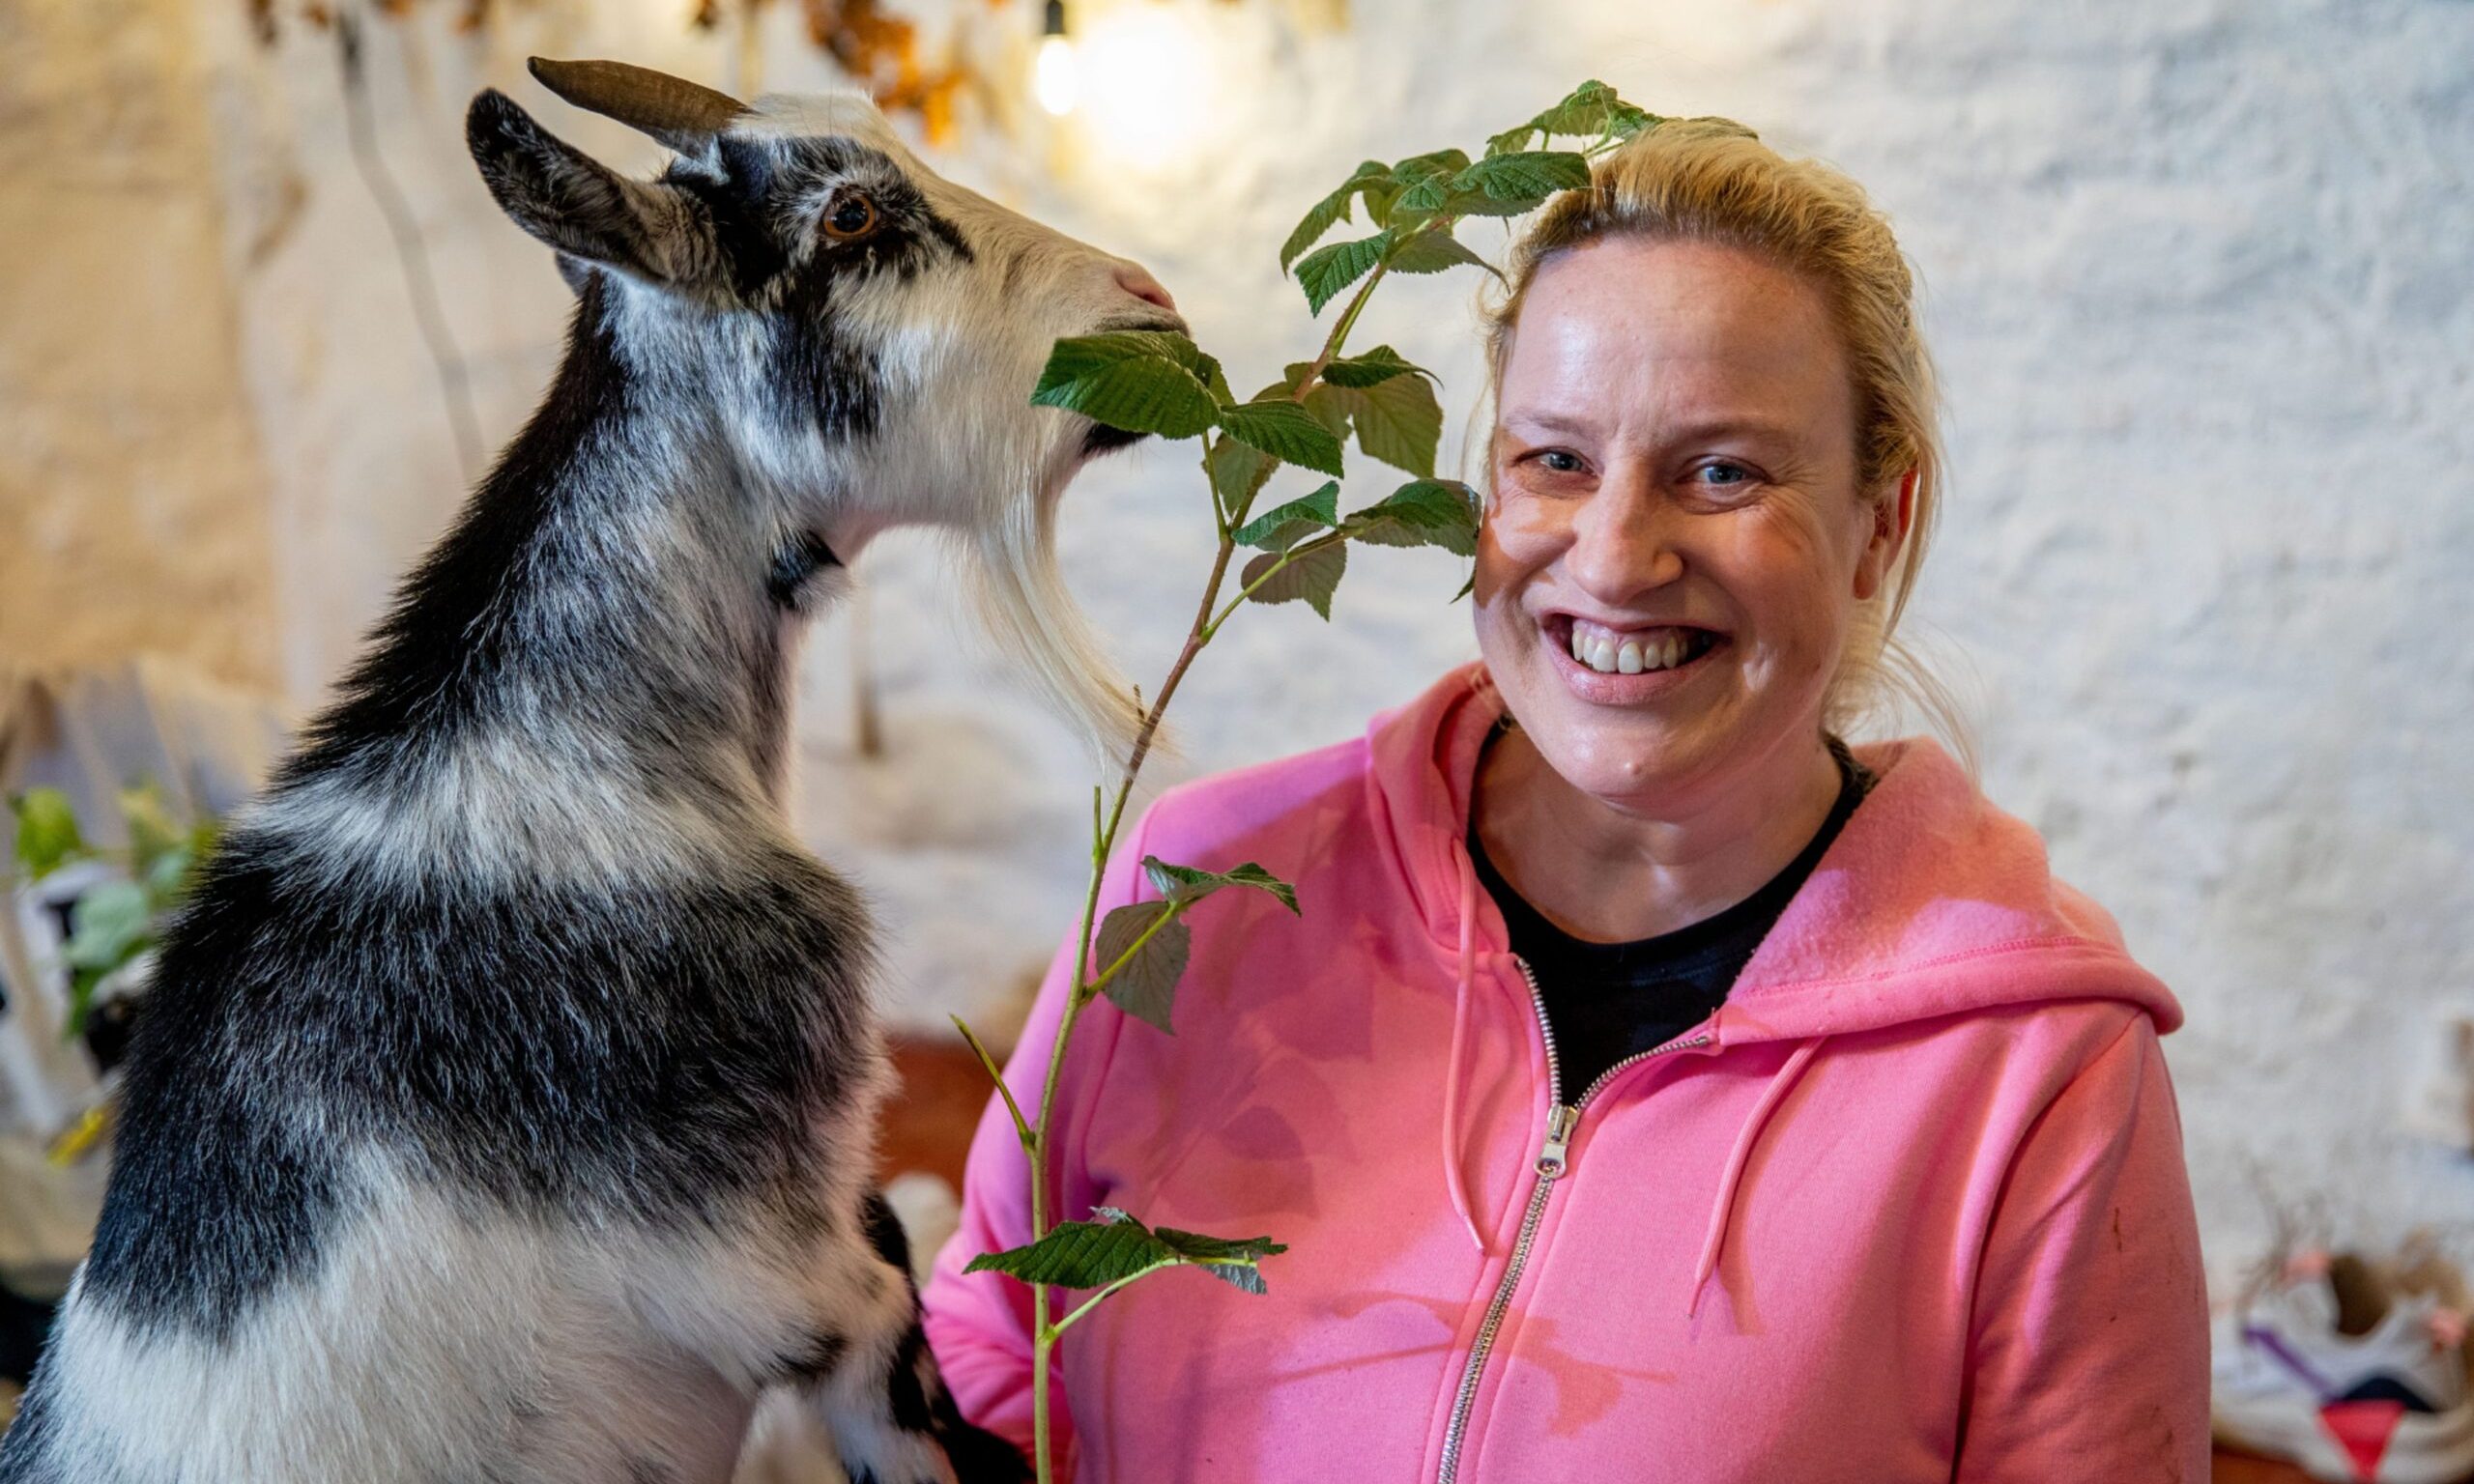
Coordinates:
1032 618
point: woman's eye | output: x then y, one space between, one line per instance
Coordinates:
1562 461
1723 475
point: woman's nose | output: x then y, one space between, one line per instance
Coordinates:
1137 281
1622 546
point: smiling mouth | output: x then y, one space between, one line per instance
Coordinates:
1628 651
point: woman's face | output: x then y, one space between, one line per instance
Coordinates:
1675 545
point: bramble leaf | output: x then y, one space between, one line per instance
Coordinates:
1142 381
1398 421
1431 252
1519 182
1115 1249
1437 164
1183 884
1083 1254
1591 111
1379 365
1146 987
1238 474
1285 431
109 926
1326 271
1327 212
47 834
1294 521
1233 1260
1313 574
1423 512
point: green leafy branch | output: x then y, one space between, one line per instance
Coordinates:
114 922
1162 383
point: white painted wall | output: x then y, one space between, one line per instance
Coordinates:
2198 278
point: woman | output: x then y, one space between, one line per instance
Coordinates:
1654 1087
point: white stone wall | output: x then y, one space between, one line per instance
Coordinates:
130 480
2198 273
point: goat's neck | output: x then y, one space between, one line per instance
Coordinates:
603 632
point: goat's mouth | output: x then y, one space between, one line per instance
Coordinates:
1103 439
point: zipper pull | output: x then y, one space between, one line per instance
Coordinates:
1560 1121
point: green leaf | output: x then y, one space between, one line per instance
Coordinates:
1423 512
47 835
1417 169
1238 474
1083 1254
1115 1249
1516 183
1183 884
1285 431
1147 987
1328 211
1294 521
1142 381
1431 252
151 830
1214 380
109 926
1313 574
1231 1260
82 985
1591 111
1379 365
1398 421
1327 271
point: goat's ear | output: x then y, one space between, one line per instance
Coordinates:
576 204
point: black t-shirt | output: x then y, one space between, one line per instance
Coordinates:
1609 1001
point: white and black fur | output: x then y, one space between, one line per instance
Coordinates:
502 1107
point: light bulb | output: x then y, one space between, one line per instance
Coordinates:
1053 79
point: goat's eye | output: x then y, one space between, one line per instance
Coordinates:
849 215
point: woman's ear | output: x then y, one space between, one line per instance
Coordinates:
1893 511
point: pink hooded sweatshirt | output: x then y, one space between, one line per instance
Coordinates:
1910 1206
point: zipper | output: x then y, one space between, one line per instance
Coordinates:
1554 1158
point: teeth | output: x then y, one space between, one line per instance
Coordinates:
1633 654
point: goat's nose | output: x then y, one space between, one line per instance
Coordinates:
1136 281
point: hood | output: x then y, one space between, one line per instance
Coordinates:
1930 903
1927 887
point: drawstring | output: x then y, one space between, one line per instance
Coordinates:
1451 1177
1737 1159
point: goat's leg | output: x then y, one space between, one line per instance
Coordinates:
892 1420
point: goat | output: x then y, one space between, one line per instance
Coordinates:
501 1108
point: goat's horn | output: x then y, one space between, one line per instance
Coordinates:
681 114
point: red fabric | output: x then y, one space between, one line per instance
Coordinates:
2363 1430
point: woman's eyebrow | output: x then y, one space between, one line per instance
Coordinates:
1547 423
1728 425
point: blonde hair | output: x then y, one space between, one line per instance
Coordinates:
1714 180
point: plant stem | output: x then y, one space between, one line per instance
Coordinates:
987 1063
1341 329
1043 1335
